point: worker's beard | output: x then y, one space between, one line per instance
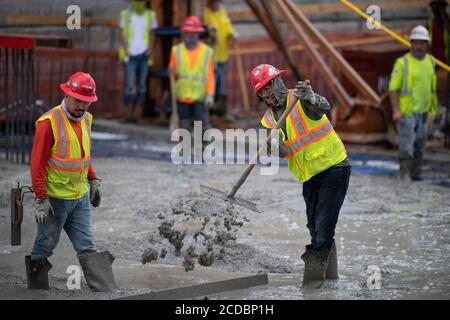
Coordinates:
70 115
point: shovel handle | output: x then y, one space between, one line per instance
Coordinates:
255 159
174 119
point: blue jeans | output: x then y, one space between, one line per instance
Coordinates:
221 79
412 135
136 70
192 112
324 195
74 216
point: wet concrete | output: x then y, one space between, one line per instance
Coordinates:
402 228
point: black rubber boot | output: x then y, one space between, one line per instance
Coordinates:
37 273
416 168
97 270
405 168
316 262
332 268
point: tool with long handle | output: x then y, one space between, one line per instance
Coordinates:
230 197
174 118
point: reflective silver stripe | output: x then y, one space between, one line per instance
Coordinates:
433 63
205 65
405 91
269 117
178 57
296 119
310 137
189 77
69 164
86 121
62 134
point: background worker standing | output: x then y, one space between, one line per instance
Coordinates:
192 65
221 32
137 41
316 156
65 183
412 90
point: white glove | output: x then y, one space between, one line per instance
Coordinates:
209 102
43 209
304 91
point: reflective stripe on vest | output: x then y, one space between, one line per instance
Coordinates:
191 82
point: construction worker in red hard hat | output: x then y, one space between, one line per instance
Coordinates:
65 184
192 65
316 156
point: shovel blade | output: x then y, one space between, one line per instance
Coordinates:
224 196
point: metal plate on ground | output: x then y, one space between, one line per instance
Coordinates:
224 196
203 289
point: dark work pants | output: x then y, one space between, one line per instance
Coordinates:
324 195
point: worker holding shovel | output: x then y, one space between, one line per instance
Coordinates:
316 156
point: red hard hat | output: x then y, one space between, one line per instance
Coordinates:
81 86
192 24
262 74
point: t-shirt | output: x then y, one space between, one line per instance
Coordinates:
421 82
220 21
137 45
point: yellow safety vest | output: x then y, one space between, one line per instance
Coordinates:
127 30
191 83
66 170
405 100
313 145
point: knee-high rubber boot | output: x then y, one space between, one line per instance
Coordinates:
97 270
316 262
405 168
416 168
37 273
332 268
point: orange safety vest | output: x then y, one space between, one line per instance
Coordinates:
66 169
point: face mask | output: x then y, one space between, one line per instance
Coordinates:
138 7
190 42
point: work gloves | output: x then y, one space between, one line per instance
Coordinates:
209 102
95 194
43 209
304 91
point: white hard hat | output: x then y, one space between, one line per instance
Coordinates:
419 33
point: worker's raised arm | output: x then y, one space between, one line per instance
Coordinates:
314 105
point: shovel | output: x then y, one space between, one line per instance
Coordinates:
174 118
230 197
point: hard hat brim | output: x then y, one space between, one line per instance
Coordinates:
75 95
263 83
419 38
193 29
